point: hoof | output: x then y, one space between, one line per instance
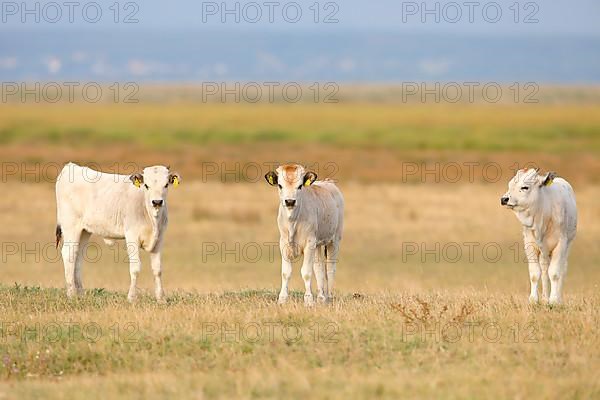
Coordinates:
74 293
160 298
533 300
322 300
308 300
554 301
282 300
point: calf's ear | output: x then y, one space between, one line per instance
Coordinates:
137 179
309 178
547 180
271 178
174 179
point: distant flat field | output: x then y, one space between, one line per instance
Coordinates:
482 127
366 141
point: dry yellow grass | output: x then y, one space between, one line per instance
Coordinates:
415 126
412 317
367 142
467 345
419 329
208 220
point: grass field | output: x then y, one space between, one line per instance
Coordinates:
365 141
417 314
481 127
461 345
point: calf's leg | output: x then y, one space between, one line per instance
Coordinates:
70 252
286 271
558 270
307 269
544 265
535 270
83 241
535 273
331 261
155 262
135 265
319 270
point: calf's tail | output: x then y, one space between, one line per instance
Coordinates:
58 235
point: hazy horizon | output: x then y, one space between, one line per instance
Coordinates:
543 42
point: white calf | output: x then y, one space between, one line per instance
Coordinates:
545 206
112 206
310 220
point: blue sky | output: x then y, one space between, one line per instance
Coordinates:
554 41
554 16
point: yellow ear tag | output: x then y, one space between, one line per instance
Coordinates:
137 182
308 182
175 181
271 179
549 182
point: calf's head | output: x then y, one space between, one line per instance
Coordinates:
155 181
290 179
524 189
